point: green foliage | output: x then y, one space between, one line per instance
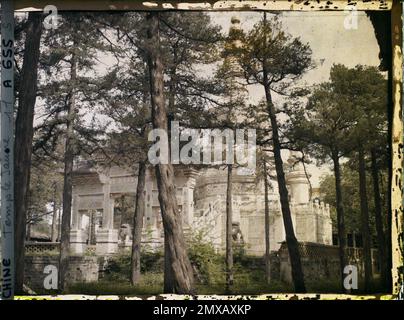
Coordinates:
45 186
119 267
249 276
239 252
351 199
267 47
208 264
343 116
76 44
348 110
152 284
249 271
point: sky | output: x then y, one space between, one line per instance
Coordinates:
325 32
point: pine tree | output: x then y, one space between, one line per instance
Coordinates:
343 118
70 51
23 137
273 59
129 109
324 124
234 99
366 88
186 40
180 273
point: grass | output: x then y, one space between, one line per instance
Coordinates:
249 277
152 284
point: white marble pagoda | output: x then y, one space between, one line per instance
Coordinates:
201 197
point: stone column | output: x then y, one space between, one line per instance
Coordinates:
80 218
297 181
187 205
107 237
78 243
107 241
328 226
108 208
75 212
188 196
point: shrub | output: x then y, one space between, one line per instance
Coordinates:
207 264
119 266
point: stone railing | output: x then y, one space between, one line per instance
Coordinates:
42 248
317 250
321 261
320 208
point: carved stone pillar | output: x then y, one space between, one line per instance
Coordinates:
75 212
108 208
107 241
188 197
107 237
78 241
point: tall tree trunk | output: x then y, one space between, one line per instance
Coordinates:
176 257
367 254
54 223
54 216
138 224
59 223
267 248
291 241
340 217
68 172
168 276
229 229
379 222
23 139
